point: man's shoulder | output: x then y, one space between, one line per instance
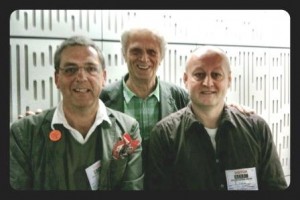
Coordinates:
33 121
174 117
48 113
173 88
119 115
170 85
110 91
253 118
112 86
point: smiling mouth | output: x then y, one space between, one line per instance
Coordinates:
81 90
208 92
143 66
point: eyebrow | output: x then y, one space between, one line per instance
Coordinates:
69 63
135 49
73 63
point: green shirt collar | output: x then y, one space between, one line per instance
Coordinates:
128 94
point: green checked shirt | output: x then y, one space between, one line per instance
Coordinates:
145 111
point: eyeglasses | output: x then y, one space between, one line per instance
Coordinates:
72 70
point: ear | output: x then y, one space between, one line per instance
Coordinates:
229 80
56 77
104 77
124 54
185 79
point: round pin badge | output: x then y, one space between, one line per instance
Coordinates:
55 135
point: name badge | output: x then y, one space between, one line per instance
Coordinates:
92 173
241 179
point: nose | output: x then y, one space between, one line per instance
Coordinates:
208 82
81 73
144 57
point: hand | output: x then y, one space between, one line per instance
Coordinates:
30 112
244 109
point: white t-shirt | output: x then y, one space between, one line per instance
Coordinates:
212 134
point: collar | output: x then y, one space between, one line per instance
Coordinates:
226 116
59 118
128 94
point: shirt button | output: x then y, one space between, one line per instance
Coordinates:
217 160
222 186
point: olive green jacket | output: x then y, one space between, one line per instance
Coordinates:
34 158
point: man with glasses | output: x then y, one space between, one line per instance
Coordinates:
80 144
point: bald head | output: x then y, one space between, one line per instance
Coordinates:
208 55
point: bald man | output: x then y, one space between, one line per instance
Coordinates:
209 145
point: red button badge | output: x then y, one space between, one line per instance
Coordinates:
55 135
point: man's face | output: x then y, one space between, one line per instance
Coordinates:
207 79
142 55
80 88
